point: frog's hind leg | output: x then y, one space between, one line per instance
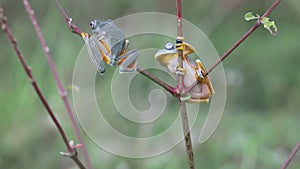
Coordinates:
201 96
118 50
127 62
95 55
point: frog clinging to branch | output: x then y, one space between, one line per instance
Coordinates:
200 87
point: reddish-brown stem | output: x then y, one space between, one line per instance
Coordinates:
179 34
173 91
73 28
28 72
183 110
244 37
61 89
291 156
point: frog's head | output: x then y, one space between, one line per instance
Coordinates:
164 56
169 53
97 25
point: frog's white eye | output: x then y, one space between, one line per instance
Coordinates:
93 24
169 46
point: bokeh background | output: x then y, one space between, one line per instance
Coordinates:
260 125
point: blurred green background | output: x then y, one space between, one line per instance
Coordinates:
260 125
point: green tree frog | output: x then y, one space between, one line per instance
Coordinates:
107 45
200 87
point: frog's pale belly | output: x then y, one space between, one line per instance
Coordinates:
189 75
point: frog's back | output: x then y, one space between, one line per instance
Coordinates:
113 35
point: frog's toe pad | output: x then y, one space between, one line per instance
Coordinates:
180 71
187 97
129 69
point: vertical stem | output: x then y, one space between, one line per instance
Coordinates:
179 34
183 110
187 135
61 89
37 89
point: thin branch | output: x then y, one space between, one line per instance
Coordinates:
73 28
244 37
173 91
61 89
291 156
28 72
183 110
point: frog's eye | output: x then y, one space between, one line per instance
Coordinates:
93 24
169 46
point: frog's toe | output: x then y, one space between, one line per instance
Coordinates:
127 70
101 71
180 71
113 61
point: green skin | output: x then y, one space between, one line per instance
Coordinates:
169 58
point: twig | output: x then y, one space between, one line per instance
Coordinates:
173 91
183 110
28 72
244 37
291 156
61 89
68 20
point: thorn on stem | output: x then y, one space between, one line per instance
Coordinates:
67 154
47 49
74 148
70 21
3 27
63 94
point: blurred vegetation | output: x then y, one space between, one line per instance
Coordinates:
260 123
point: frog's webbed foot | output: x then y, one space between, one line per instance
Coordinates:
127 61
186 97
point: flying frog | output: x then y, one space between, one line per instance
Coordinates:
192 72
107 45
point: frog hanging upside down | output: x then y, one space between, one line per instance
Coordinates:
107 45
200 87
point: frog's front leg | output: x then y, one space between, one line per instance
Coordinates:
118 50
93 51
127 61
180 46
102 47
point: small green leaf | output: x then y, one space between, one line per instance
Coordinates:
249 16
269 25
